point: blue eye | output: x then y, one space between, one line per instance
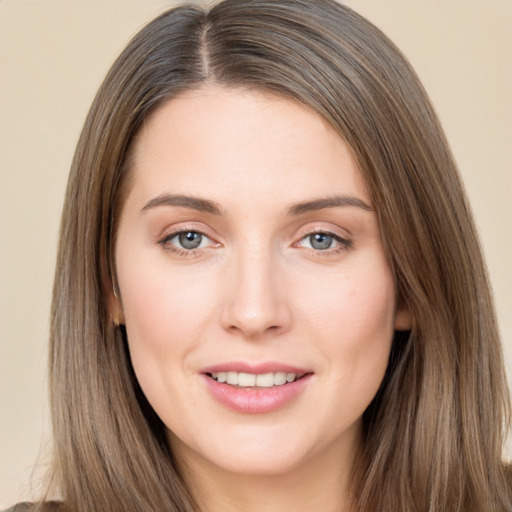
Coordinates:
189 239
186 241
321 241
324 242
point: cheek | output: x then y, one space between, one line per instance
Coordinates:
354 306
353 321
364 353
165 315
161 303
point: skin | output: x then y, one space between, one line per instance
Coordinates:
257 289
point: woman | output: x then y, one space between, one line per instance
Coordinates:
269 290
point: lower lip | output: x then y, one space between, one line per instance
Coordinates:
256 400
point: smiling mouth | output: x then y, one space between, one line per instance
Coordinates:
251 380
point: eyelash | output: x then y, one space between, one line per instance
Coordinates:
343 243
165 242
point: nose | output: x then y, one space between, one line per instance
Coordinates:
256 303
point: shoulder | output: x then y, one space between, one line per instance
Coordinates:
50 506
20 507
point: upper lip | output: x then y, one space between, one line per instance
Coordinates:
254 368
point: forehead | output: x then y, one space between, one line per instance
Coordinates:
231 142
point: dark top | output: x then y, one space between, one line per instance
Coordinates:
50 506
20 507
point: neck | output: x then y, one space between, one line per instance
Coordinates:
322 482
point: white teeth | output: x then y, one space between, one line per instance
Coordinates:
249 380
246 379
279 378
265 380
232 378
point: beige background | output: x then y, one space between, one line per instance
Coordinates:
53 55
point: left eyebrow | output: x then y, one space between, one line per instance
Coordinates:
183 201
328 202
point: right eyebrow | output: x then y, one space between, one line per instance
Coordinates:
183 201
328 202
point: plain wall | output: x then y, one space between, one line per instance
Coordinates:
53 56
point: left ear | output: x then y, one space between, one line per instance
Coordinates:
114 305
403 319
115 308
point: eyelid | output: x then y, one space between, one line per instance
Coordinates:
342 237
180 227
312 228
170 232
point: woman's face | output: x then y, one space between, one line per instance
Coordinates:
258 301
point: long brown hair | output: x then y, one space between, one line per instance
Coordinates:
433 435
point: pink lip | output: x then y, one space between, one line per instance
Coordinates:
254 368
255 400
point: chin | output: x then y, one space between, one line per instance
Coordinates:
263 463
249 454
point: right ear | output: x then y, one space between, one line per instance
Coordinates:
403 319
111 291
115 308
114 304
